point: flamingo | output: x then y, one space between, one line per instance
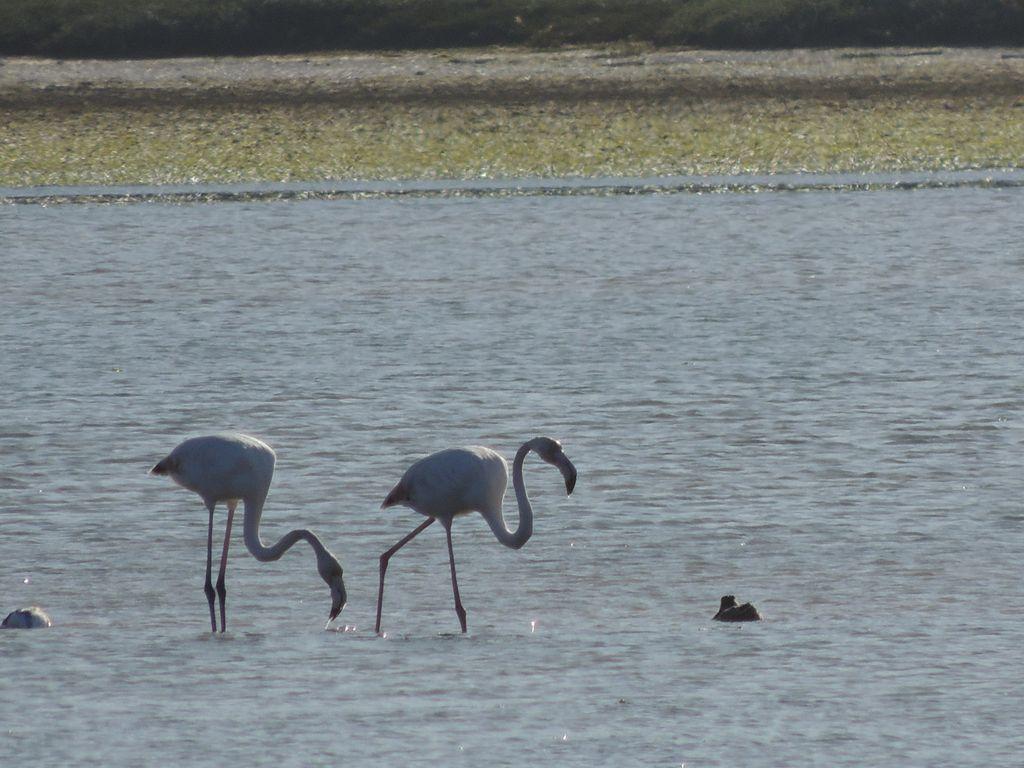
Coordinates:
232 467
457 481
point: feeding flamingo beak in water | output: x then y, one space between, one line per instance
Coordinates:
338 604
335 580
568 472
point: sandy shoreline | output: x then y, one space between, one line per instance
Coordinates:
496 75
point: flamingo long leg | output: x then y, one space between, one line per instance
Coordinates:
459 610
384 565
222 590
208 587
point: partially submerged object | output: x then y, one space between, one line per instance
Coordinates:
27 618
731 611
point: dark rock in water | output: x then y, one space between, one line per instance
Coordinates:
730 611
26 618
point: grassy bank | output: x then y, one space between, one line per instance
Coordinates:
145 28
618 111
163 144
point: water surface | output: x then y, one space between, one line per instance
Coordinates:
811 399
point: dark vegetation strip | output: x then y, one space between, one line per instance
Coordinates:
509 93
697 188
150 28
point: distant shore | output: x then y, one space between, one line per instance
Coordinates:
502 76
147 29
470 113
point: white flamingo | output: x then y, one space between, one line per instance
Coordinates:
232 468
462 480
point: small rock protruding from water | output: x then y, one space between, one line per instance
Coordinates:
731 611
26 618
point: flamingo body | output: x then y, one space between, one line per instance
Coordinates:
453 482
226 467
233 468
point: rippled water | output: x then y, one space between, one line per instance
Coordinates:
812 400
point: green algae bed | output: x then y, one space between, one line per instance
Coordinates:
507 113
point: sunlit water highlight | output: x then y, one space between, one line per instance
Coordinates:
812 401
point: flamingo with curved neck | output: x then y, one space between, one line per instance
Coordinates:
231 468
458 481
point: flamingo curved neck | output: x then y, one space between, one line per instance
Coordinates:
521 535
263 553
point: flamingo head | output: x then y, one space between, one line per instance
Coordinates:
551 451
331 572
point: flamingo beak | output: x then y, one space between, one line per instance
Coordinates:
340 599
568 472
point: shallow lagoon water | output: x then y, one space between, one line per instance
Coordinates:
811 399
